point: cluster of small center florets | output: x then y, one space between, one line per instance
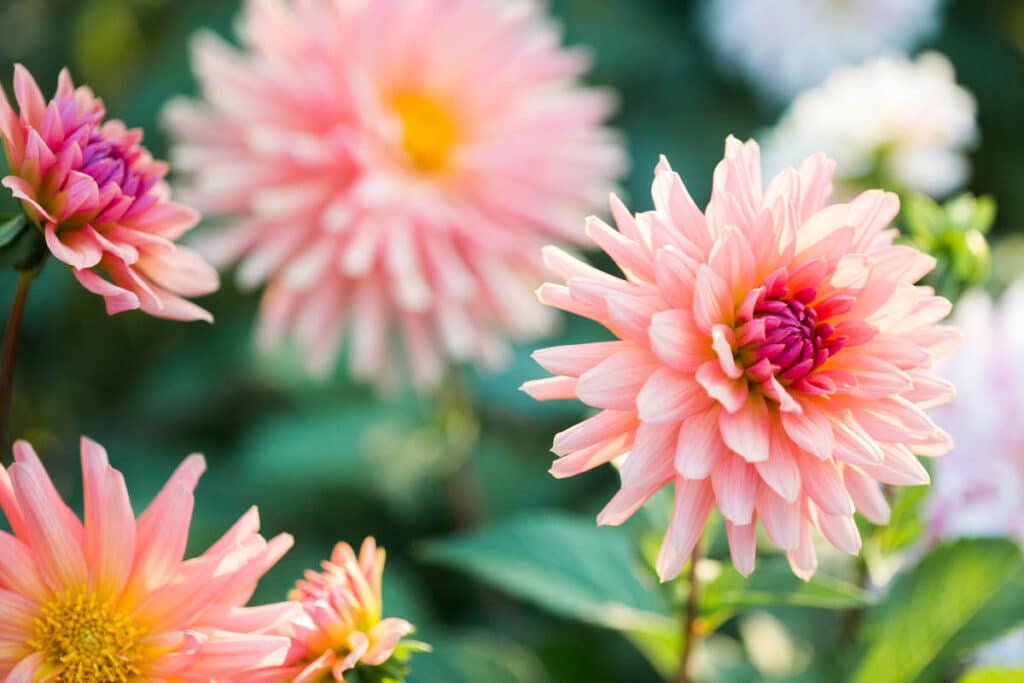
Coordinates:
88 639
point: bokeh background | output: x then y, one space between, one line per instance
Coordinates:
331 460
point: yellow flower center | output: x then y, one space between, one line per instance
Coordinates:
428 131
87 639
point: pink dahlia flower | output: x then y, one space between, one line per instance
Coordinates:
772 359
391 169
111 601
100 201
341 626
979 487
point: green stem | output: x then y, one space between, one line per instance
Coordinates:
461 426
690 615
10 346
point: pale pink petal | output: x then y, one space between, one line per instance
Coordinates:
693 502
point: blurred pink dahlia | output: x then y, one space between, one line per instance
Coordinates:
772 359
341 626
391 168
100 200
111 601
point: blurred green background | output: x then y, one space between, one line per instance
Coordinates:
330 461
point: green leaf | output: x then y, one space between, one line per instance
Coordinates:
960 596
11 227
476 658
564 564
992 676
772 584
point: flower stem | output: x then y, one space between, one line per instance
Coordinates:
689 619
10 344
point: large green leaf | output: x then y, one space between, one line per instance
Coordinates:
773 583
475 658
992 676
563 564
960 596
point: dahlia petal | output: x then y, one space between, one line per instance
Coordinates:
631 257
735 485
180 270
28 669
722 340
899 468
811 430
53 543
676 276
671 198
588 458
693 501
116 298
109 521
746 430
712 300
841 531
17 570
853 444
824 485
383 639
238 652
26 193
731 393
867 496
80 194
731 257
29 97
607 424
629 317
742 546
550 388
780 471
76 248
781 519
669 397
615 382
676 342
699 448
803 560
647 468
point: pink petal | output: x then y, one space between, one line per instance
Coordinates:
742 546
735 484
693 501
669 397
700 448
746 431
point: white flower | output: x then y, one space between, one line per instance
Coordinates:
784 46
906 120
978 488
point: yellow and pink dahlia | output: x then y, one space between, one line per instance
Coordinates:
391 169
100 201
111 600
772 359
341 625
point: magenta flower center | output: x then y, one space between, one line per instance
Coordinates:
781 334
109 161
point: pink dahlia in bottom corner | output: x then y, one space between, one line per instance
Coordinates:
111 600
341 626
100 201
773 359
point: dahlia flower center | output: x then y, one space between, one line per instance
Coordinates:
782 336
108 161
428 131
87 639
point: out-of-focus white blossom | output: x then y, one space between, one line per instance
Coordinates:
785 46
978 488
902 121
